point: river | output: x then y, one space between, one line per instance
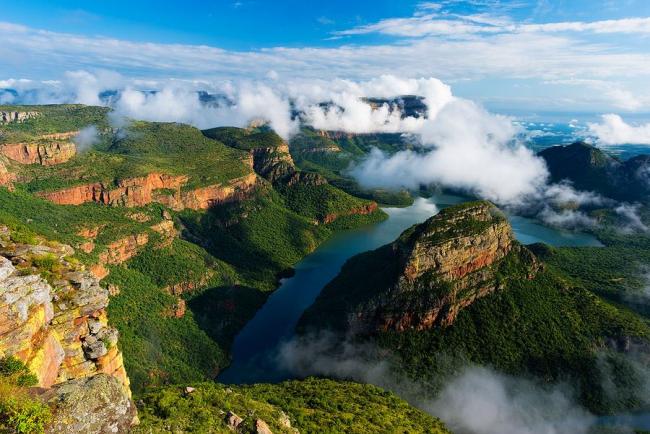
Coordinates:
253 350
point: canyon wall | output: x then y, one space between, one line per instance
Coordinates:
154 187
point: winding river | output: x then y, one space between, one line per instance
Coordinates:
254 347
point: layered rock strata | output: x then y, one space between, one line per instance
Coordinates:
53 314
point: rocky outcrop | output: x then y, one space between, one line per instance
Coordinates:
58 326
428 275
46 154
6 177
366 209
15 116
123 249
96 404
273 163
155 187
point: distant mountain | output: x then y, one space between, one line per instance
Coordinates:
592 169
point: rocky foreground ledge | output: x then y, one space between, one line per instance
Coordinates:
53 318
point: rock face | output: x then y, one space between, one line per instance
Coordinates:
14 116
6 178
273 163
363 210
155 187
59 328
428 275
46 154
96 404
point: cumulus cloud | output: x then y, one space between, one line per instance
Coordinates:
613 130
632 221
470 149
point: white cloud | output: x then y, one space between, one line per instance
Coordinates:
33 53
86 138
613 130
471 150
480 401
438 24
475 401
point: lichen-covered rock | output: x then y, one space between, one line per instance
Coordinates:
97 404
59 328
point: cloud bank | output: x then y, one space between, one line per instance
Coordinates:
473 400
613 130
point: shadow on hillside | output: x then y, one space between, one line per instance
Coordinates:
223 311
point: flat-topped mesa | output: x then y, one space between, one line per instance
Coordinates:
427 276
16 116
454 243
58 326
447 263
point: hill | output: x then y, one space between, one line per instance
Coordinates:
460 286
592 169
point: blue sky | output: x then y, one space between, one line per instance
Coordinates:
582 55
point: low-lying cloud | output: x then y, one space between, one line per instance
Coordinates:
86 138
613 130
473 399
461 145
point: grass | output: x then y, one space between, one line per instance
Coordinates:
19 412
140 149
58 118
312 406
245 139
158 348
28 215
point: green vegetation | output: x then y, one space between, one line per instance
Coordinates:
19 412
158 347
323 202
540 328
52 119
314 152
245 139
259 236
312 406
28 215
140 149
551 327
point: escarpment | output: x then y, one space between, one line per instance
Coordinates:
53 314
45 154
428 275
155 187
16 116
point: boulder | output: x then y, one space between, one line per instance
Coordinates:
98 404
